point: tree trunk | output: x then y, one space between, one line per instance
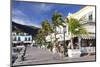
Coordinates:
72 46
79 42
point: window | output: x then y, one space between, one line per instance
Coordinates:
25 39
90 17
29 39
14 38
18 38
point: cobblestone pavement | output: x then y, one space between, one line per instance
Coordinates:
41 56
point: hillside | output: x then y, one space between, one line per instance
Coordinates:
24 28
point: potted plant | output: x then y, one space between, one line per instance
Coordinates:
73 51
75 29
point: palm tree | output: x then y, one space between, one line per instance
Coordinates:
46 27
39 37
75 28
56 21
43 32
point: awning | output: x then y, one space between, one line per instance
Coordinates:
90 36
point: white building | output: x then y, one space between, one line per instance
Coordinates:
88 19
59 35
21 38
87 14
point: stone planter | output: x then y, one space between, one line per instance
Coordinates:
74 53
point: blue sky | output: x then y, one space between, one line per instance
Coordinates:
33 13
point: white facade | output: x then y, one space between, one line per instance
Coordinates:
59 35
87 14
21 37
84 13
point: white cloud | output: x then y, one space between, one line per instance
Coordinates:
16 12
19 17
19 21
45 7
36 25
41 8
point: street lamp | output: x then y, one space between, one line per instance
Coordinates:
64 30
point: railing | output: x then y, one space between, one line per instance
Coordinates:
19 59
88 49
21 41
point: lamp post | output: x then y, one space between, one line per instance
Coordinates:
64 30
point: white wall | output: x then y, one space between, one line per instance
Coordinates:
22 38
90 28
86 12
59 29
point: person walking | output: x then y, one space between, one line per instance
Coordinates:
61 51
89 50
55 49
